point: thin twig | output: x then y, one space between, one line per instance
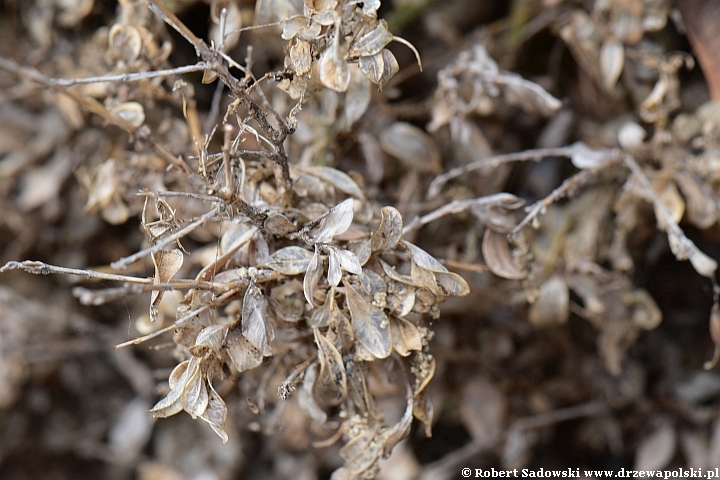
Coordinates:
123 263
179 321
534 155
128 77
458 206
41 268
567 188
140 134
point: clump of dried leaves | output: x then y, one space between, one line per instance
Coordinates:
288 280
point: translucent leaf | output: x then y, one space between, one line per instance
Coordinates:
585 157
301 26
552 306
319 6
337 179
209 338
405 336
306 398
332 368
333 69
612 59
357 96
334 271
372 42
371 326
131 112
415 148
312 277
290 260
379 68
389 232
167 263
195 396
170 404
656 450
300 56
360 452
255 326
497 254
216 413
335 222
423 259
348 261
701 206
242 353
400 431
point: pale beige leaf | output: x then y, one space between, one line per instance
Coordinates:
371 326
279 224
243 355
333 69
332 368
312 277
483 408
131 112
334 271
656 450
405 336
612 59
372 42
335 222
412 146
306 398
300 56
702 210
167 264
379 68
357 96
498 256
290 260
337 179
389 232
552 306
210 338
216 413
255 325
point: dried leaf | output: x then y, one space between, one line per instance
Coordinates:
131 112
701 206
290 260
312 277
334 70
372 42
499 259
337 179
405 336
167 264
334 271
279 224
657 449
216 413
319 6
389 232
209 339
552 306
379 68
332 368
335 222
306 398
714 335
255 325
400 431
300 56
415 148
584 157
243 355
357 97
371 326
483 408
612 59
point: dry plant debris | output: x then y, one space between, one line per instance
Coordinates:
306 193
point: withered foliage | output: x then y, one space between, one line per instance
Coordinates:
304 215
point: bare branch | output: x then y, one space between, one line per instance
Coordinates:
123 263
